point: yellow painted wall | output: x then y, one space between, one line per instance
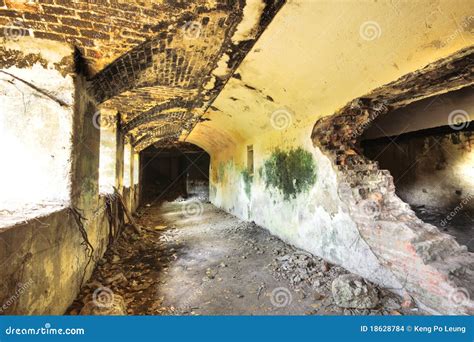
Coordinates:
315 57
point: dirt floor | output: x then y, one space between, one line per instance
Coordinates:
194 259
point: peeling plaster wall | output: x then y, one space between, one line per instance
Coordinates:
47 255
108 153
301 70
51 130
316 220
35 134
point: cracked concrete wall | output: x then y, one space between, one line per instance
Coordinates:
35 129
302 70
316 220
44 256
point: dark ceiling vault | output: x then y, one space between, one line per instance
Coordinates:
164 85
160 65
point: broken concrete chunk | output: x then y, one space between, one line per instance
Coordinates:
352 291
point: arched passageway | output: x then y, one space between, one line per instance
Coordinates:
171 152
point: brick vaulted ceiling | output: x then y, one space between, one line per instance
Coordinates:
158 63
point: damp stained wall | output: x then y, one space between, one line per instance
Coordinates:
35 130
50 134
315 220
313 59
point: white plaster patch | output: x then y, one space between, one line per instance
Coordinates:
35 135
247 28
50 50
222 68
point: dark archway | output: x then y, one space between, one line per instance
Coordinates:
172 171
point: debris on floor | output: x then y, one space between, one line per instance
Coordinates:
211 263
353 292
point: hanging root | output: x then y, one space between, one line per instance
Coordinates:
86 243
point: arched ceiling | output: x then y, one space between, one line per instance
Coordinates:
166 66
316 56
158 63
101 30
163 86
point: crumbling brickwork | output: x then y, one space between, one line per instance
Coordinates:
102 29
142 56
433 268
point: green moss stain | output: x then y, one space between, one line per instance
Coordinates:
220 172
291 172
248 180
